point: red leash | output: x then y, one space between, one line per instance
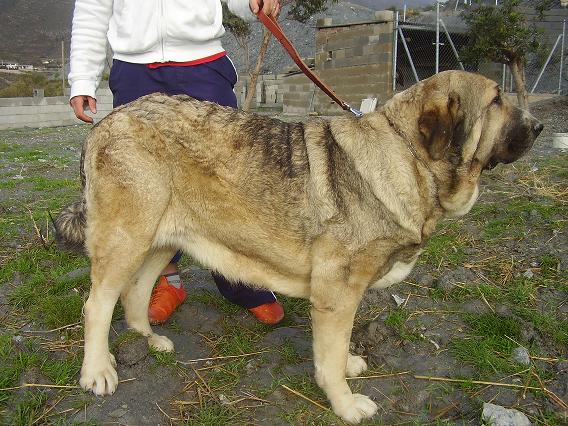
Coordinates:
276 30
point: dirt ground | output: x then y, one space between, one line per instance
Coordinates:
440 344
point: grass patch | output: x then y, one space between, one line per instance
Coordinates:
40 183
52 301
9 371
8 184
549 266
489 347
303 414
62 372
126 337
225 377
522 291
446 246
214 299
51 263
295 306
30 408
235 340
501 220
304 384
13 364
215 414
59 311
288 353
5 345
174 326
396 318
167 359
492 325
547 323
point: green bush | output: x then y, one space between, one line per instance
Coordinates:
27 82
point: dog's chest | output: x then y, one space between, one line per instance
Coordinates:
398 272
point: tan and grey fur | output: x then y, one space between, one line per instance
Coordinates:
322 210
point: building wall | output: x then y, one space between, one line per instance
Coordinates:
354 60
551 22
269 92
39 111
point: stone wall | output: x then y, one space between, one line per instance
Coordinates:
39 111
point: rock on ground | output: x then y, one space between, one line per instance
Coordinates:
496 415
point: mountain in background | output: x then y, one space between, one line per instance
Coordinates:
32 30
384 4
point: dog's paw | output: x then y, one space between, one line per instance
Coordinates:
160 343
100 377
356 408
355 366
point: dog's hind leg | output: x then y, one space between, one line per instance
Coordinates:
136 297
355 365
109 275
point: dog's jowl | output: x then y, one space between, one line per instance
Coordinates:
321 210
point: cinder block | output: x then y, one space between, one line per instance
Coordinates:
324 22
271 98
358 50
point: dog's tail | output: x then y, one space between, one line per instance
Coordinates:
70 227
71 222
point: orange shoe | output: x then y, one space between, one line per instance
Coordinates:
164 301
268 313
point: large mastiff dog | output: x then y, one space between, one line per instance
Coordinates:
322 210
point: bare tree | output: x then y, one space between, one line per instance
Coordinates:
298 10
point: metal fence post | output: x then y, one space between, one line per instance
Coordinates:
394 52
437 36
546 63
560 77
452 44
408 55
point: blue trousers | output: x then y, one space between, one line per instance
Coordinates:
212 81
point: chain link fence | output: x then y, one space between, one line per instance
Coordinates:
547 70
422 49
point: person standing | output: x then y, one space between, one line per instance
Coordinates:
172 47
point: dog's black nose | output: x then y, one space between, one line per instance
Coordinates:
538 128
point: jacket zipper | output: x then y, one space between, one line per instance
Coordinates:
162 29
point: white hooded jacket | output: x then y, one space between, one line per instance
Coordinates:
144 32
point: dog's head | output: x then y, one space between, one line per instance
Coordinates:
461 124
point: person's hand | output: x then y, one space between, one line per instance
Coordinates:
269 7
78 103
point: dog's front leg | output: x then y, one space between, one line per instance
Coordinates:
335 297
331 334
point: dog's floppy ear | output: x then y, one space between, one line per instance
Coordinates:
438 124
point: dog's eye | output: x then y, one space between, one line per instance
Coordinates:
496 100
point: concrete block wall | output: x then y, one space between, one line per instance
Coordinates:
354 60
269 90
40 111
298 94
